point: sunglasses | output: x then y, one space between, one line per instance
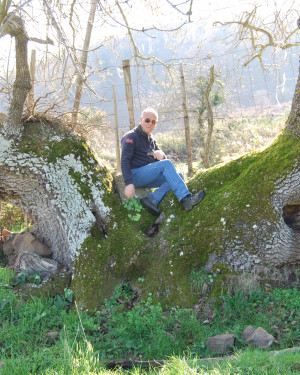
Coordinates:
154 122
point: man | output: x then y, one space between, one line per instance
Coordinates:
144 164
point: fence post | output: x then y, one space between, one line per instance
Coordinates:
128 91
118 158
30 100
186 124
210 116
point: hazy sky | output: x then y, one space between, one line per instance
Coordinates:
144 13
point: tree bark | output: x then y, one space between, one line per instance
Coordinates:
22 85
45 183
293 123
83 62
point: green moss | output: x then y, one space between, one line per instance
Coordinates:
237 197
52 141
84 188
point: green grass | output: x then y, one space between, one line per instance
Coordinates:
124 329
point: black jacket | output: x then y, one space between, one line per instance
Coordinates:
137 151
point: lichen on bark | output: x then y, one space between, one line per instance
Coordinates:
37 174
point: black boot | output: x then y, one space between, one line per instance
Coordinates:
192 200
150 206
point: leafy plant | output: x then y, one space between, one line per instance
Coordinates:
64 301
68 295
135 206
33 277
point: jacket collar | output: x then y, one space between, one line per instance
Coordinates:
141 130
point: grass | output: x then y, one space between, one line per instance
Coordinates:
51 336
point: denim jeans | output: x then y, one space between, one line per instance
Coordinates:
162 175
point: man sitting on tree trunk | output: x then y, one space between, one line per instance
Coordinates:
144 164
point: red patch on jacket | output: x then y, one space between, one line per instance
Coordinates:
129 140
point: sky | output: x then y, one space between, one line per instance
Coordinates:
155 13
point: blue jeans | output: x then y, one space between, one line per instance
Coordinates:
162 175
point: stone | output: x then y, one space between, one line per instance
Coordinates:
221 343
8 246
33 262
4 235
259 337
120 186
27 242
248 332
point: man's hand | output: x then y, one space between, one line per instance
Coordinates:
129 191
158 155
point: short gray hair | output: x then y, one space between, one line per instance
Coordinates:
150 110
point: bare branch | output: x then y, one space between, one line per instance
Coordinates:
41 41
253 29
66 44
137 53
108 13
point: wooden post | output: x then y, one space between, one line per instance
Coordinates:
210 116
30 100
118 157
128 91
25 219
186 124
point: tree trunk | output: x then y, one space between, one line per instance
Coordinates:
22 85
293 122
56 186
83 62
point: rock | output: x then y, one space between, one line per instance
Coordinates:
120 186
8 246
259 337
27 242
221 343
4 235
33 262
248 332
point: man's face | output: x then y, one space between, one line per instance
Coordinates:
148 122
